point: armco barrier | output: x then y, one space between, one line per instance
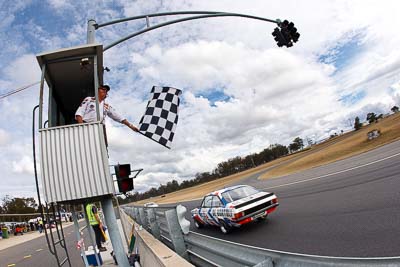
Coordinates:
152 252
203 250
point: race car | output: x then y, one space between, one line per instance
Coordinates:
150 205
233 207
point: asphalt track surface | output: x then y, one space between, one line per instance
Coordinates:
36 253
350 208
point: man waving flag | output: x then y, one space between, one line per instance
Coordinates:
161 117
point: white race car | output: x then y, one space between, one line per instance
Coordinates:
234 206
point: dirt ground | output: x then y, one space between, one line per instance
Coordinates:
337 148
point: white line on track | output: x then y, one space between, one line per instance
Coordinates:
330 174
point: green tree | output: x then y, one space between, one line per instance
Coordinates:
294 147
395 109
357 124
278 150
299 142
19 205
371 117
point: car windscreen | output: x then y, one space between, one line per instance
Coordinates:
238 193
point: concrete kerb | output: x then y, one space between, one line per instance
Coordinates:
152 252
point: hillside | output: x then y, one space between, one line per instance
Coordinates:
344 146
333 149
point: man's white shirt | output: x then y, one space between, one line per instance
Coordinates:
87 110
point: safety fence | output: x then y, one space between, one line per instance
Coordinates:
168 224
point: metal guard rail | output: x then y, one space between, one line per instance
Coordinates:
202 250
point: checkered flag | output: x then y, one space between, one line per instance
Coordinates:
159 121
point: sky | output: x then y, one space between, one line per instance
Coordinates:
240 91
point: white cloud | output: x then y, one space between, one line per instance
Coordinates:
59 4
4 137
23 70
23 166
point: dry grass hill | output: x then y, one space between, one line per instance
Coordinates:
334 149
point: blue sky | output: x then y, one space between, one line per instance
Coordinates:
353 98
215 95
344 51
340 57
240 91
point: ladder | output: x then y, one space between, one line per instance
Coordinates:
49 213
56 239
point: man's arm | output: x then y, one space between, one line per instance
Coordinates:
115 116
81 110
127 123
79 119
96 215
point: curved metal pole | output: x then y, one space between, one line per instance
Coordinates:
186 19
155 15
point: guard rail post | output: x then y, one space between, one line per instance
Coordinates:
155 230
131 212
136 215
143 219
176 234
266 263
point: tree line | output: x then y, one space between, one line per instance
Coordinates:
18 205
372 117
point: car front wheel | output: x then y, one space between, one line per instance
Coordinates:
225 228
198 225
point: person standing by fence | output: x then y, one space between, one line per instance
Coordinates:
97 225
40 224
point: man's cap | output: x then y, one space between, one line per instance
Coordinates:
105 86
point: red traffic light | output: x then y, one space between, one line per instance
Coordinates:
122 171
125 185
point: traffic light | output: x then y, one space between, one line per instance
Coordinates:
280 40
122 171
125 185
286 34
294 35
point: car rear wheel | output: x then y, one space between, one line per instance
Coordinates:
225 228
198 225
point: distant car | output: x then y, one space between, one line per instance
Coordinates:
233 207
150 205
